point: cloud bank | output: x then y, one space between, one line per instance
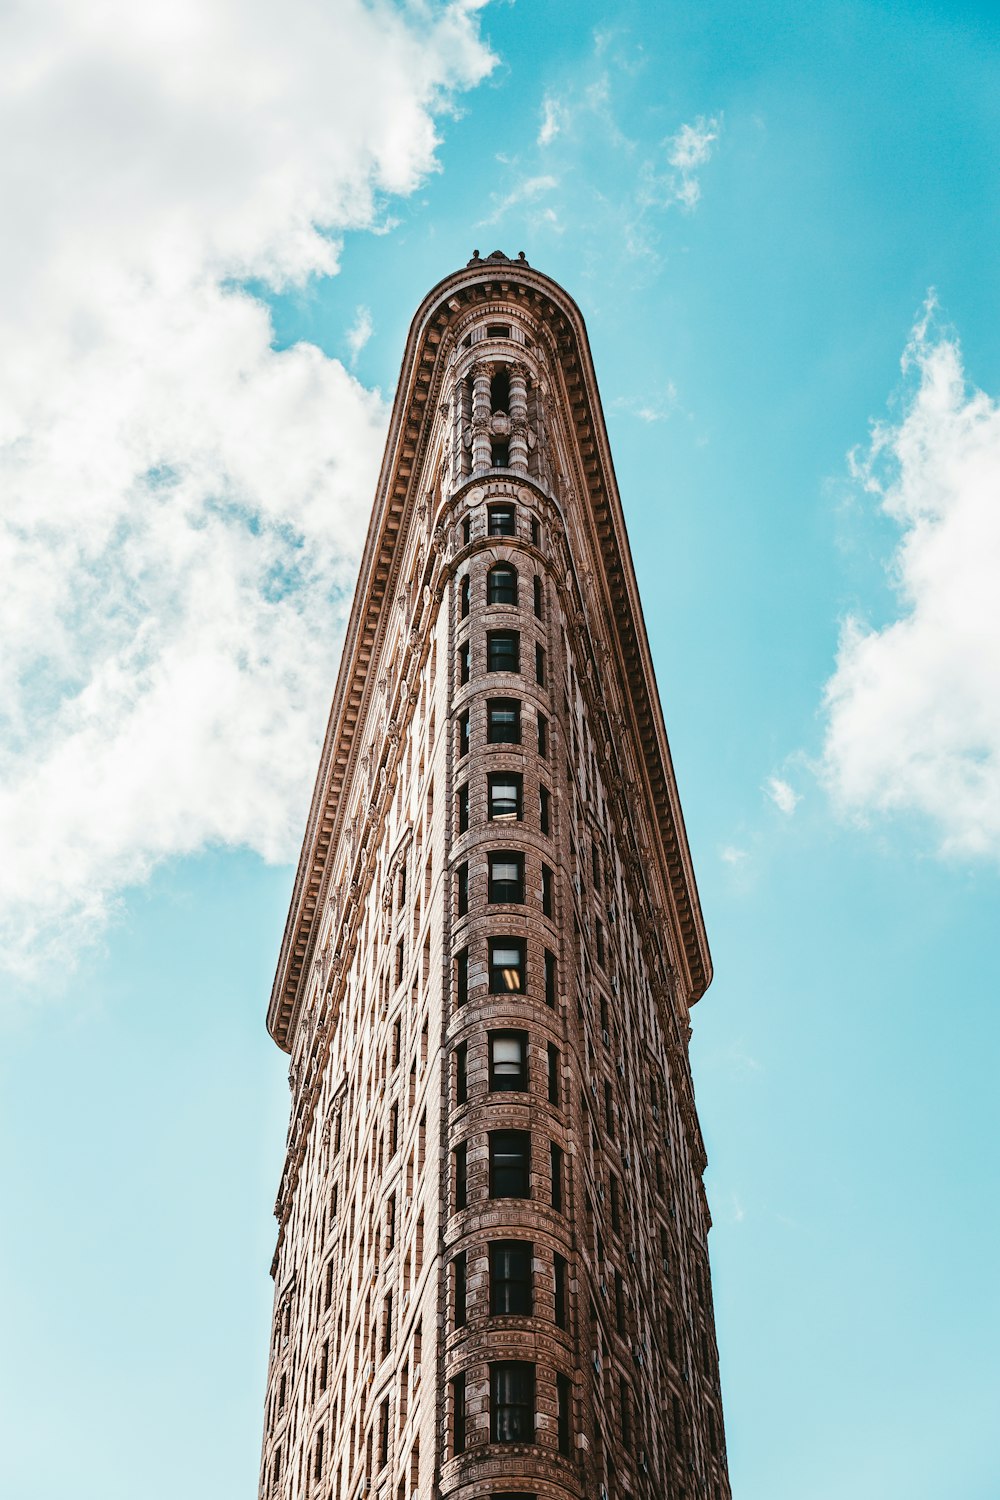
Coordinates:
182 505
913 708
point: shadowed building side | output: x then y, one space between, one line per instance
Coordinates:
491 1276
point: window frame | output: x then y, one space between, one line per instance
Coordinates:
513 1145
493 587
497 985
505 891
512 1406
509 639
509 778
516 1289
501 705
501 520
520 1085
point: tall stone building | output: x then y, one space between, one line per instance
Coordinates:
491 1275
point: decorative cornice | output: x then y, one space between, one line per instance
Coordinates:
397 499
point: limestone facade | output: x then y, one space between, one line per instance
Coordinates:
491 1275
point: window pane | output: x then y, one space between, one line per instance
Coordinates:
512 1404
504 721
509 1163
506 966
502 585
505 797
503 651
501 520
508 1060
510 1278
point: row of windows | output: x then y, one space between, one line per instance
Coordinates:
508 970
503 726
504 801
501 588
512 1407
511 1290
505 885
510 1168
503 654
508 1066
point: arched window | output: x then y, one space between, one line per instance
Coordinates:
501 584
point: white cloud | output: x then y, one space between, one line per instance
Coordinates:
785 799
183 505
552 114
731 855
360 332
527 191
690 150
913 707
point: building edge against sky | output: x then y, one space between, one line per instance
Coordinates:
491 1275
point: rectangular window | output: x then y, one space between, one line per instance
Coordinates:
383 1434
564 1399
462 801
508 1060
501 584
462 889
510 1164
535 531
510 1278
463 734
512 1403
464 662
550 978
543 736
507 966
609 1111
506 883
546 891
505 792
543 808
458 1413
462 1073
619 1304
625 1411
556 1157
539 664
462 977
463 595
503 651
459 1270
538 597
616 1204
461 1154
595 863
599 934
467 530
552 1052
502 520
503 721
559 1268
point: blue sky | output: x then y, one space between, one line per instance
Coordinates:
781 227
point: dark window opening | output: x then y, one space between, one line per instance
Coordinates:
498 331
461 1154
462 889
503 651
504 792
547 884
559 1267
550 978
502 520
467 530
539 664
543 808
459 1265
564 1397
538 597
463 595
552 1052
463 734
506 877
543 736
510 1278
462 1073
510 1164
508 1060
458 1413
464 663
507 966
501 584
500 455
503 722
462 977
556 1157
463 809
512 1403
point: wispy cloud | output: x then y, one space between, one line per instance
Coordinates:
784 797
690 150
530 190
182 502
359 332
651 408
913 710
731 855
552 115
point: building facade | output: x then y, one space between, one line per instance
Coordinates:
491 1275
